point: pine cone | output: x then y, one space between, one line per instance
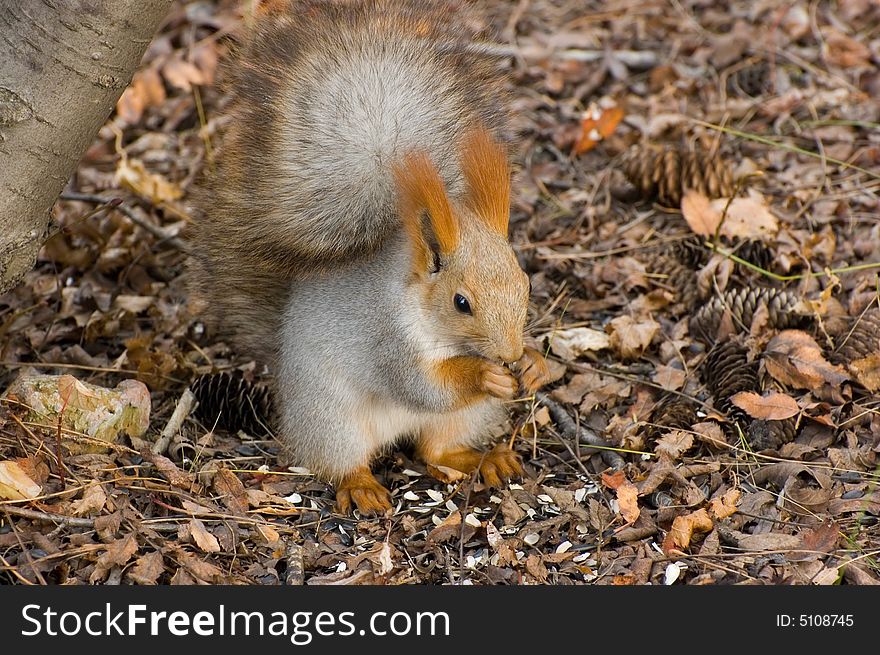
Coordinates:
770 435
666 174
742 304
671 413
691 251
229 401
860 340
727 371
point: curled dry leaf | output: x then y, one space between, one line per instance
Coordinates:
725 505
15 484
630 337
684 528
574 342
794 358
774 406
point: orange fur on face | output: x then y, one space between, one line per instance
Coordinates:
485 166
420 189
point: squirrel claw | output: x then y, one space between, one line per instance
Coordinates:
499 465
361 489
534 372
497 381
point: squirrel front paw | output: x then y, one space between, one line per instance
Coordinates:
533 370
362 490
498 381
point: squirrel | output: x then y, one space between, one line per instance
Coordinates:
354 237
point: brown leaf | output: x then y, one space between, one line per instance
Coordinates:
450 528
669 377
147 569
725 505
597 123
169 471
674 444
200 569
15 484
844 51
92 502
698 214
627 502
684 528
182 74
774 406
822 538
202 538
792 357
630 337
231 491
118 553
743 217
867 371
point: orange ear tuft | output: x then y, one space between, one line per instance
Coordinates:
421 190
486 169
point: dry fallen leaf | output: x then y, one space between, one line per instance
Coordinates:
92 502
627 502
674 444
147 569
574 342
206 541
742 217
725 505
15 484
773 406
684 528
597 123
630 337
867 371
133 175
794 358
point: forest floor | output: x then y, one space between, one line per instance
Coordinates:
696 202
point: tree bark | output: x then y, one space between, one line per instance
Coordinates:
63 66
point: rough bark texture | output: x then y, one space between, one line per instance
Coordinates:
63 65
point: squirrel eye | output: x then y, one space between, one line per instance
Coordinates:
461 304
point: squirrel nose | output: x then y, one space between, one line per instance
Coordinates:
512 353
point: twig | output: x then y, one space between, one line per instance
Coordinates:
184 407
638 59
116 203
576 433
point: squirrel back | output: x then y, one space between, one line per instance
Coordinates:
325 98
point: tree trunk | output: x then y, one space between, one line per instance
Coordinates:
63 66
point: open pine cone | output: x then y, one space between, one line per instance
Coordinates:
666 174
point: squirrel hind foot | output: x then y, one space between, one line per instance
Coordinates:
360 489
496 466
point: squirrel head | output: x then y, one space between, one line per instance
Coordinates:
468 276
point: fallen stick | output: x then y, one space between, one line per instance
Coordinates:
575 432
184 407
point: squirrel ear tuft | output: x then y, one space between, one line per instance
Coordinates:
421 191
487 171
